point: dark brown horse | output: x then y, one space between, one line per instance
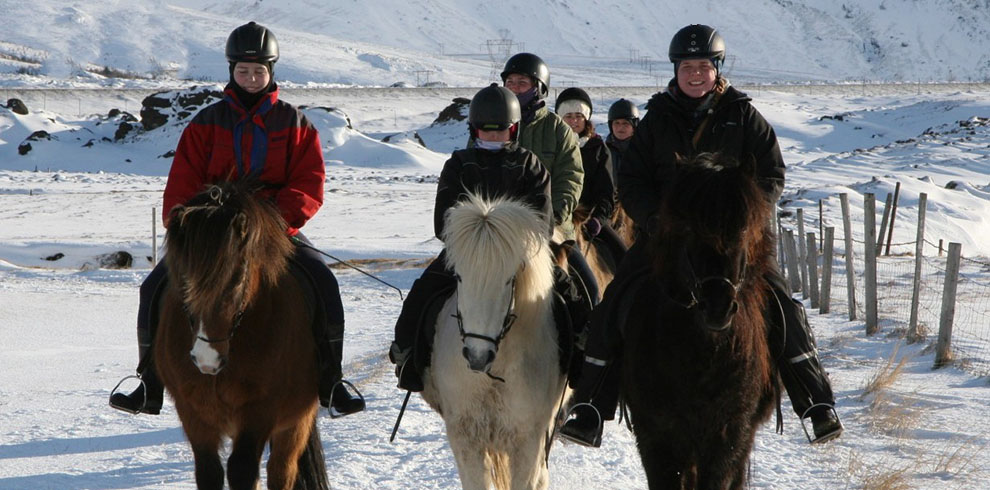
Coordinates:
234 345
698 378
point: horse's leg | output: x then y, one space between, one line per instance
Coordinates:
661 465
286 448
470 458
245 457
205 443
526 460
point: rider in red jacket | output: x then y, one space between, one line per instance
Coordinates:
277 145
251 134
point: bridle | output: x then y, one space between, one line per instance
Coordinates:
507 321
695 285
236 321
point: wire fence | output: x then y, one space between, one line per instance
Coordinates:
895 283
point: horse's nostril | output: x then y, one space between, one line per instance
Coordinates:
491 357
466 353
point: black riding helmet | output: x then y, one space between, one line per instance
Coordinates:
494 108
252 43
532 66
623 109
573 93
697 41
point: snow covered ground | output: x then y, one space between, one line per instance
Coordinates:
67 334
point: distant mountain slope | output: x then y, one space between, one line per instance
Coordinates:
588 42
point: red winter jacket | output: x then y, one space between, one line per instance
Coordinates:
274 141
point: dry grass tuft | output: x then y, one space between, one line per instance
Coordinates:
886 376
956 460
879 475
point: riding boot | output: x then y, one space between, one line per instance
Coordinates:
409 378
594 401
805 380
333 389
148 397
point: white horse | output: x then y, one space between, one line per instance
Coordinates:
495 377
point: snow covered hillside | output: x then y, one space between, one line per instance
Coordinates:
453 42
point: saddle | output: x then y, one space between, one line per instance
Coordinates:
426 329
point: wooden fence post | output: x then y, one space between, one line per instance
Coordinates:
913 334
813 268
850 261
802 253
821 226
893 214
943 349
883 223
793 266
870 251
827 258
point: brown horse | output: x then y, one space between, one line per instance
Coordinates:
234 345
601 263
698 377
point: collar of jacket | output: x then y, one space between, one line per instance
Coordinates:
536 109
264 104
621 145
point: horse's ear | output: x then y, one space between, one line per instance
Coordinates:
679 160
239 225
176 214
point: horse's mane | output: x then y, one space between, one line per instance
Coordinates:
220 240
491 237
716 198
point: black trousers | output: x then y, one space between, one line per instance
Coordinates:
329 339
579 266
805 380
435 278
612 242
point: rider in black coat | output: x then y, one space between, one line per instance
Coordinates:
699 112
492 167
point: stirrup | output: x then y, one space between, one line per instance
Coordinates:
599 428
824 437
334 414
144 402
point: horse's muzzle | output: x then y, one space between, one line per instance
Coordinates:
718 319
212 369
480 361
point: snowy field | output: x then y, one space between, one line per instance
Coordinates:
67 326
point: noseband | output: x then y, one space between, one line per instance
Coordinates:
233 331
695 284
